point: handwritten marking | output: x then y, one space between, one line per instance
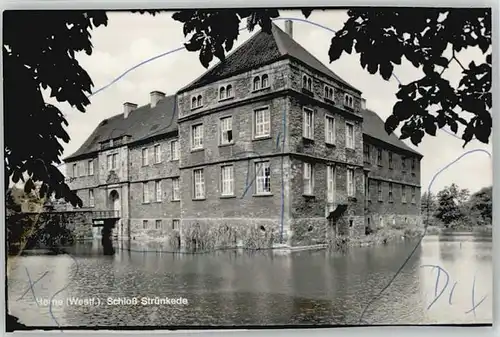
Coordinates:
436 296
474 306
32 285
451 292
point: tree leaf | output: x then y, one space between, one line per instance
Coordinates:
386 70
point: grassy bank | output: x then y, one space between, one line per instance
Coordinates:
436 230
380 237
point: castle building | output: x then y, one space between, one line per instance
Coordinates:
269 143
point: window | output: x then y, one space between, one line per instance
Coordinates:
175 224
390 192
145 224
348 101
308 123
227 180
174 150
379 190
115 160
390 160
379 157
413 197
265 81
368 193
91 198
349 136
308 179
403 194
262 122
263 177
175 189
403 163
226 130
366 152
307 82
256 83
145 192
197 137
331 182
199 184
350 183
196 102
158 190
75 170
158 224
328 94
329 130
90 167
157 152
413 164
225 92
145 158
109 162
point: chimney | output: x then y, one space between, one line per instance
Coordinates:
156 96
289 28
127 108
363 103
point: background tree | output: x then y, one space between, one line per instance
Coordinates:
40 47
451 204
428 206
480 207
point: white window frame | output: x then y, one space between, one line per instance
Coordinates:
308 123
262 78
227 180
331 180
157 153
176 224
109 162
260 177
351 185
82 170
413 195
264 124
226 95
115 160
198 101
145 156
226 125
329 93
198 184
197 136
158 195
347 145
348 100
90 167
174 150
91 198
330 133
256 83
145 193
309 82
308 178
175 189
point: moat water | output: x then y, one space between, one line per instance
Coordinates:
143 286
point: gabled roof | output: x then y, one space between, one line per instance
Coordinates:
143 122
262 48
373 126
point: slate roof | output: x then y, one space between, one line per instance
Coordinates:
142 123
373 126
263 48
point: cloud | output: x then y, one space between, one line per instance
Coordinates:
132 38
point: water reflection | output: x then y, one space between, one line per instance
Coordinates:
261 288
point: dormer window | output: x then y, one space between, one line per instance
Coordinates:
225 92
196 102
328 94
260 82
306 82
348 101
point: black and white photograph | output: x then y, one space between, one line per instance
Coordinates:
247 168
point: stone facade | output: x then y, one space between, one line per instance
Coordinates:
286 213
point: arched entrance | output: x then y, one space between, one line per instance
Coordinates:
114 203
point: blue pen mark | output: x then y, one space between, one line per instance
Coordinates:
474 305
31 285
451 293
436 296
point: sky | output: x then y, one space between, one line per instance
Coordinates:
131 38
